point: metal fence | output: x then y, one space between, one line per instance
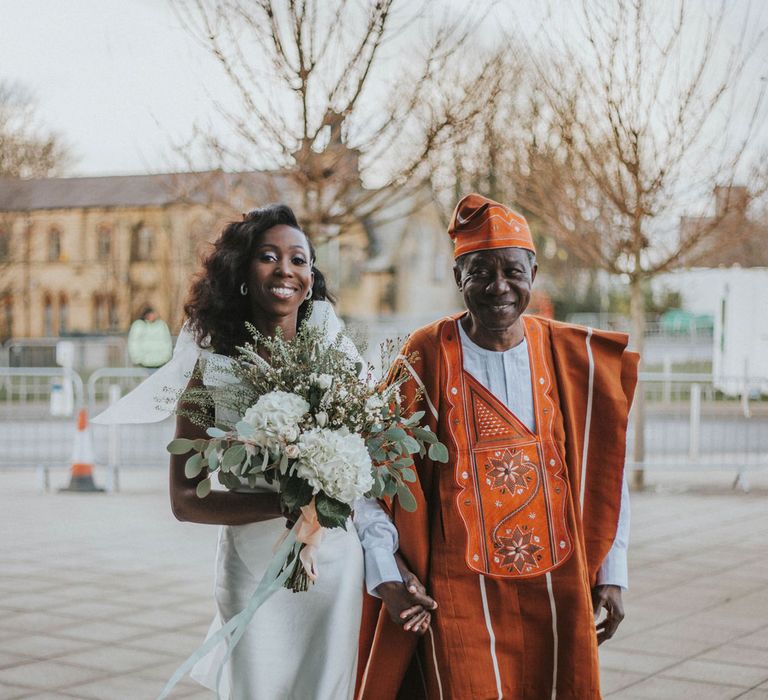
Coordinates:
89 352
695 422
691 421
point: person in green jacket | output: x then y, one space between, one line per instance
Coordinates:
149 340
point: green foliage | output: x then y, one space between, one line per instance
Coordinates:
330 512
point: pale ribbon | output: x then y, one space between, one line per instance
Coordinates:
310 533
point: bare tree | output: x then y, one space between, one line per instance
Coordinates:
26 148
343 101
633 116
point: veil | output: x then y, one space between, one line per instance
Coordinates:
155 398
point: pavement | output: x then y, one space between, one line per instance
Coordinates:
103 595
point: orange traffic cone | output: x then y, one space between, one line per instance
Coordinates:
81 471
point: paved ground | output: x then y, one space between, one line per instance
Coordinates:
101 596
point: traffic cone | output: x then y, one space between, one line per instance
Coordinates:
81 471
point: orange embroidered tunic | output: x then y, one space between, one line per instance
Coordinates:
509 535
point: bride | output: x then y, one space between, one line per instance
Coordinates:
297 646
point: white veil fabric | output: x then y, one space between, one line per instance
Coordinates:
155 398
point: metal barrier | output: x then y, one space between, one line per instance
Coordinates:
119 446
36 409
691 422
89 351
695 422
34 436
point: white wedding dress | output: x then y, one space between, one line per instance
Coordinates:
298 646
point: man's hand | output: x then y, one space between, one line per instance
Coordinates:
608 597
408 603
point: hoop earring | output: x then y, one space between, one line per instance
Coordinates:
309 294
244 289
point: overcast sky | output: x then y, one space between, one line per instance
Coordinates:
117 78
121 79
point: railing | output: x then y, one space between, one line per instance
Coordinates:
89 351
654 328
691 421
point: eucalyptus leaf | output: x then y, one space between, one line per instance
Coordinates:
216 432
408 475
180 446
378 454
229 480
424 435
234 456
406 499
193 466
203 488
415 417
411 444
395 434
438 452
245 429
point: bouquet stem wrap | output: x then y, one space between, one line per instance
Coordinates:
309 533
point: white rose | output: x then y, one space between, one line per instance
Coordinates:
335 462
291 451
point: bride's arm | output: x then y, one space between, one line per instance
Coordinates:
218 507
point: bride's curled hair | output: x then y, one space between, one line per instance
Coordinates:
215 308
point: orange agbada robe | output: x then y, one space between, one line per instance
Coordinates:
508 535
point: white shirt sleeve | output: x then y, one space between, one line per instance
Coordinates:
378 537
613 571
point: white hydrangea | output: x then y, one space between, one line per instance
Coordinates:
275 418
335 462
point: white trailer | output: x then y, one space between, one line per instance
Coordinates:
740 353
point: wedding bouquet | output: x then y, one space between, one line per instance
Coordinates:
312 421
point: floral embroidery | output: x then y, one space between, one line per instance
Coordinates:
508 471
518 550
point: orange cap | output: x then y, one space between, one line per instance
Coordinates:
479 223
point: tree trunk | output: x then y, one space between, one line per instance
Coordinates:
637 341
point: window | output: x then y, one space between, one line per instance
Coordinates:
54 245
98 312
6 316
5 244
63 314
47 315
103 243
142 242
114 320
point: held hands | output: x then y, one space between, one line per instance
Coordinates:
407 603
609 598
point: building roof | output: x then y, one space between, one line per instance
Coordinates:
135 190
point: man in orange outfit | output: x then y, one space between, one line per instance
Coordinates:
513 536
